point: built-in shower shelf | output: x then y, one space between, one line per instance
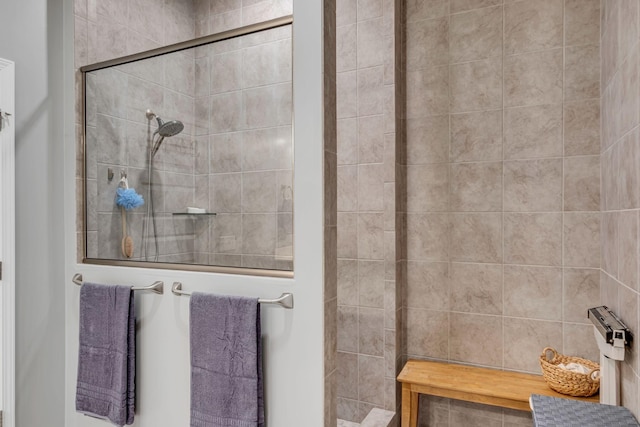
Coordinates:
194 214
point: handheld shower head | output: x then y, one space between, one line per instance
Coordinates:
168 129
171 128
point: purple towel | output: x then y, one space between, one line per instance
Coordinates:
106 358
226 362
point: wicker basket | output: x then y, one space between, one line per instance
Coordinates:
568 382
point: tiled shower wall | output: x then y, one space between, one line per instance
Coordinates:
107 30
620 166
233 161
244 150
503 186
368 329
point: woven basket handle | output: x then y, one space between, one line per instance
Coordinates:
546 351
592 377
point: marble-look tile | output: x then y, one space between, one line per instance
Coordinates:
259 192
428 237
533 132
370 91
582 73
582 127
533 78
370 187
267 106
346 12
610 242
369 9
540 287
533 185
347 188
429 94
417 10
582 22
225 192
347 102
428 188
263 149
476 34
347 235
578 340
348 329
371 284
226 112
347 410
371 331
268 63
628 82
533 239
427 43
581 292
348 375
370 139
427 333
463 5
427 140
226 235
476 136
371 379
476 288
527 338
348 282
532 26
628 313
476 339
628 252
476 187
476 237
582 240
629 387
428 285
582 183
347 140
370 236
369 42
628 170
346 48
226 153
259 234
610 174
476 85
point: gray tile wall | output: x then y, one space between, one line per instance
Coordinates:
620 156
503 186
368 272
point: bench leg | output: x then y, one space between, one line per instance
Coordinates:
409 407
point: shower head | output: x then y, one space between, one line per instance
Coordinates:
164 130
169 129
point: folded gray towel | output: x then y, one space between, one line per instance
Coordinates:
106 359
226 362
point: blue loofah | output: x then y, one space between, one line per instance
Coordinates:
128 198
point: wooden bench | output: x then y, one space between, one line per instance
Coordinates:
470 383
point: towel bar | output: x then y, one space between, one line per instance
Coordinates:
155 287
284 300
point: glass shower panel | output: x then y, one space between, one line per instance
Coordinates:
189 156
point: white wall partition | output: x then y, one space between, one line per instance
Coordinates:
292 339
7 239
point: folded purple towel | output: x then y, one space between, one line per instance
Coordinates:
226 362
106 359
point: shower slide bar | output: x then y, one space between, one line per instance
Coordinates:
285 300
155 287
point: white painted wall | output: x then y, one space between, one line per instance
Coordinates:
31 36
293 339
7 239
